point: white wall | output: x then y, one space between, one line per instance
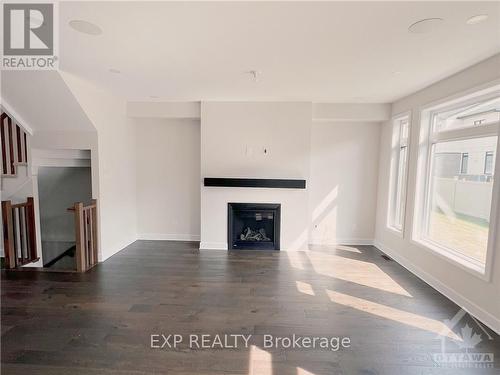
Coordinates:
480 297
343 182
117 163
168 179
233 136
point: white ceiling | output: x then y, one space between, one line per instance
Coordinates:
322 52
43 100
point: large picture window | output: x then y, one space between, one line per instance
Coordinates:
399 172
459 166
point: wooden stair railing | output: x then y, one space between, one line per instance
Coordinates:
14 144
86 235
19 234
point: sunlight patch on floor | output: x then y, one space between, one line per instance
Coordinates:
355 271
301 371
260 362
352 249
391 313
294 257
305 288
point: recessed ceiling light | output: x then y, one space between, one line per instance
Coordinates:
426 25
154 97
115 71
474 20
396 72
85 27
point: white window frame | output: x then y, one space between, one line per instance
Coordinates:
492 154
395 179
424 165
466 155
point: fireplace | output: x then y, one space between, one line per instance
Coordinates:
253 226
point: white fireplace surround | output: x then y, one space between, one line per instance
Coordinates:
233 139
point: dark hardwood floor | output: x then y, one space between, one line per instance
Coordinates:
101 322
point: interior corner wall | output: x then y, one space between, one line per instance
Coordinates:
479 297
343 182
117 206
168 179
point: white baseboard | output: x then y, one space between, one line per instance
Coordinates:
213 246
469 306
344 241
349 242
168 237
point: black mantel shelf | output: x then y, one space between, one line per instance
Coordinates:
255 183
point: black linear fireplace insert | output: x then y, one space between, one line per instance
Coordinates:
253 226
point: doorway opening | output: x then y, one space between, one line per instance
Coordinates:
58 189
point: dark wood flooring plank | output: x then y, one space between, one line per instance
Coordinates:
100 322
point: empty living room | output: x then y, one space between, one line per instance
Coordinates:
250 187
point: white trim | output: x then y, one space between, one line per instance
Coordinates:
469 306
339 241
464 133
428 137
452 257
345 241
15 116
168 237
394 171
41 162
486 88
213 246
395 231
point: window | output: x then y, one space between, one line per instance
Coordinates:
399 166
455 178
464 163
488 163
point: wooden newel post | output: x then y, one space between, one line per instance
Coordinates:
94 230
81 260
8 235
30 213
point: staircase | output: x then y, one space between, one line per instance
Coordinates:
14 146
18 215
15 174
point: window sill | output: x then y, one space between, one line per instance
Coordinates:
475 268
394 230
